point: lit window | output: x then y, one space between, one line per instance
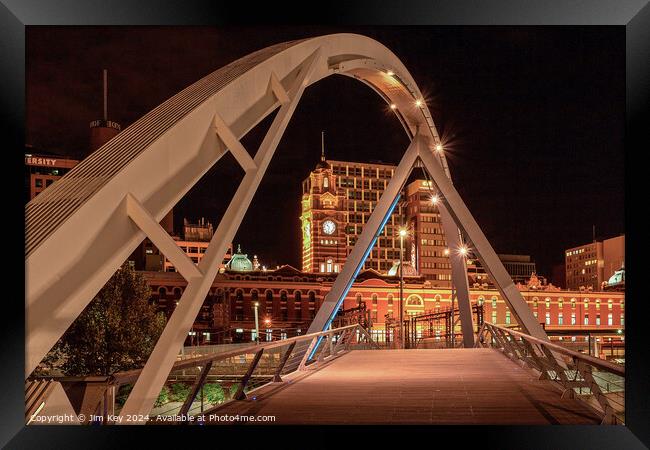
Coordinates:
507 317
573 318
610 320
560 319
586 322
548 318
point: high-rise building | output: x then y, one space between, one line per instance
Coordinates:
426 244
588 266
338 198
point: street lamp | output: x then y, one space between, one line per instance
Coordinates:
402 235
257 324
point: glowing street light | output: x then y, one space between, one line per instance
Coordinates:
463 250
438 148
390 73
257 323
402 232
435 199
393 106
446 252
418 103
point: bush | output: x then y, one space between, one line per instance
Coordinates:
179 392
163 397
213 393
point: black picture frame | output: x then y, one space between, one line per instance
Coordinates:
634 15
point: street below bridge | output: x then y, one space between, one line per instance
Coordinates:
450 386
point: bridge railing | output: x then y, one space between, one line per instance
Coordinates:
599 383
198 384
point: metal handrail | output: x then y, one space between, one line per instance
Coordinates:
132 375
574 373
591 360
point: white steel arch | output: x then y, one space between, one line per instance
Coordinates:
83 227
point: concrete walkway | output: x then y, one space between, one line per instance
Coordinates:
449 386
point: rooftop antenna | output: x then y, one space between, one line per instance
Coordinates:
594 232
322 146
105 95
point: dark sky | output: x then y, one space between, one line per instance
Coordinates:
534 117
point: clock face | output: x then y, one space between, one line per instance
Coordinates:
329 227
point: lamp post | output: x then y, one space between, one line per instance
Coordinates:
402 233
257 324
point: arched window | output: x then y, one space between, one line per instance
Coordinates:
573 303
283 296
297 297
547 300
358 299
609 304
494 302
390 301
239 296
326 182
480 300
560 303
374 301
414 300
178 292
437 299
535 300
254 296
597 303
330 265
162 291
269 301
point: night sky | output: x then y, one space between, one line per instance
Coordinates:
533 117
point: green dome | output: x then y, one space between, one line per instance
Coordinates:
239 262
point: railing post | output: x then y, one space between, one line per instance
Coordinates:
195 389
303 361
276 377
240 395
608 412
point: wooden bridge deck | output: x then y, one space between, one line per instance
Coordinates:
450 386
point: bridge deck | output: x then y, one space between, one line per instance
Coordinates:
451 386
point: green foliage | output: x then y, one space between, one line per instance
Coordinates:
163 397
117 331
179 392
213 393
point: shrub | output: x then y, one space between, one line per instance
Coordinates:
213 393
179 392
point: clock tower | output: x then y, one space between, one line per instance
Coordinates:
323 221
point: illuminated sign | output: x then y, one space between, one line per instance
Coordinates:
36 161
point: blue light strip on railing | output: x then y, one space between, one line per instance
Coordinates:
356 272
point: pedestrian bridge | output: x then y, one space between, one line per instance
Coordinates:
448 386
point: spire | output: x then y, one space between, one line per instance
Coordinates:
105 94
322 146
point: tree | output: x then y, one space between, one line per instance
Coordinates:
117 331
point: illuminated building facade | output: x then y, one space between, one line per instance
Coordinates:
42 170
288 300
426 246
333 216
589 266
